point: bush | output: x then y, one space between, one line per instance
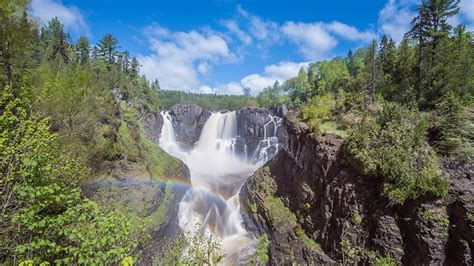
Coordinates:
391 143
44 216
318 110
453 127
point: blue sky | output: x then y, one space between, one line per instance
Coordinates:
221 46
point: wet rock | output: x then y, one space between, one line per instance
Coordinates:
188 121
251 128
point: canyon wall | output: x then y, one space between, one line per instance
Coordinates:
316 208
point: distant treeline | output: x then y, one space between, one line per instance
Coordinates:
208 101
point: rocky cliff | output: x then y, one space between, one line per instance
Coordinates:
316 208
145 182
252 126
188 121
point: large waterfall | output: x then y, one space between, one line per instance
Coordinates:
217 173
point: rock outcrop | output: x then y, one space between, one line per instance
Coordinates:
317 208
253 125
189 119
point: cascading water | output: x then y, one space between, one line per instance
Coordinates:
217 174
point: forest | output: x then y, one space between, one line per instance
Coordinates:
70 109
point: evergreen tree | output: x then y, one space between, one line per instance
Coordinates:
246 91
417 32
403 73
107 48
83 50
156 85
134 67
55 39
17 39
371 69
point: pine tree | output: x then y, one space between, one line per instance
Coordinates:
83 50
56 39
107 48
371 69
156 85
403 73
134 67
351 65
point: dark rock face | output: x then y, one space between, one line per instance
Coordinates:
189 119
251 128
347 212
152 124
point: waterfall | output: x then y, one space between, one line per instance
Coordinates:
217 174
268 146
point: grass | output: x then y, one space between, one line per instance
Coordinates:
301 234
330 127
149 157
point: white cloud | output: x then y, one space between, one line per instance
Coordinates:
204 68
350 32
231 88
70 16
313 39
266 31
206 89
467 9
256 82
276 72
179 57
395 18
234 28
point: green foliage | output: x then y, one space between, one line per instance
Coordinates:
391 144
453 127
332 75
350 253
356 218
127 261
261 256
300 233
427 215
444 221
207 101
271 97
318 110
386 260
190 248
297 88
46 218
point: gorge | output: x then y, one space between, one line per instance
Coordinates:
253 173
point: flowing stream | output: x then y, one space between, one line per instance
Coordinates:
217 174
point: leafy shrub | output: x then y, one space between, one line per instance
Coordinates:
386 260
391 143
44 216
188 248
261 256
453 127
318 110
